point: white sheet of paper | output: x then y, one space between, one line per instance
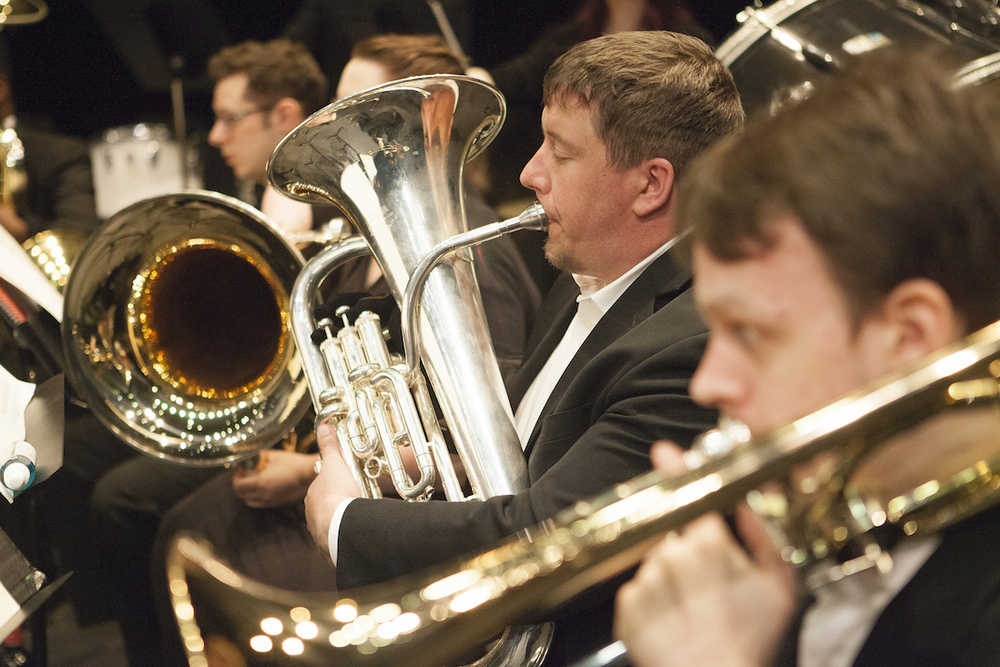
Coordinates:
17 268
8 606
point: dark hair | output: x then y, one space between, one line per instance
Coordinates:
409 55
276 69
651 93
890 170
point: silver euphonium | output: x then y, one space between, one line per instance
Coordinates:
391 158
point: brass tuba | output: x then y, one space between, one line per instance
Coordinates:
176 329
935 425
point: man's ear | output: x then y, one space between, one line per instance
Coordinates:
657 185
287 113
919 318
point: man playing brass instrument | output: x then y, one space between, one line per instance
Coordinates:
616 339
845 238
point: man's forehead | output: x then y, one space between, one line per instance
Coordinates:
231 89
784 265
556 119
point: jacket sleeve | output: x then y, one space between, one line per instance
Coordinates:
60 184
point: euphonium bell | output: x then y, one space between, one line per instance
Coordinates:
936 424
176 332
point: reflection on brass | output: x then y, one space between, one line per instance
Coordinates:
210 318
55 251
176 329
948 452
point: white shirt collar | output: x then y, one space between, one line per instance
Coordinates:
606 296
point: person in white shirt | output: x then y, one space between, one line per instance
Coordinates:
845 238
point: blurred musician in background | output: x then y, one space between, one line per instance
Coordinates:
263 90
816 275
47 181
616 339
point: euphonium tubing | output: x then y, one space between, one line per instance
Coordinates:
176 329
430 618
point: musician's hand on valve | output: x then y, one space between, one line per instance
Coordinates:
280 478
333 485
701 598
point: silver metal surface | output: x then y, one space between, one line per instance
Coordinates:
531 218
392 158
756 23
129 392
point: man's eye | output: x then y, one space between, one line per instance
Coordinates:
746 334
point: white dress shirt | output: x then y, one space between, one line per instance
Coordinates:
836 626
594 301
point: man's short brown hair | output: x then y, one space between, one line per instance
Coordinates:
651 94
409 55
275 69
891 172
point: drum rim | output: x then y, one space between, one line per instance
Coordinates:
130 132
751 31
978 70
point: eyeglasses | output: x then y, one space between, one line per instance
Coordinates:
230 119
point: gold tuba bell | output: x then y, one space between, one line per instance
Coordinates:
176 330
935 425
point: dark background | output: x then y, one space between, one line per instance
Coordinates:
94 64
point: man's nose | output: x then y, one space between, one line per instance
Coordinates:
216 134
533 176
717 382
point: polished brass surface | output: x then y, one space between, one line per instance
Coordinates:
935 425
184 297
55 251
176 329
13 178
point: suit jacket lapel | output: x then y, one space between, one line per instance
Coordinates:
560 307
659 283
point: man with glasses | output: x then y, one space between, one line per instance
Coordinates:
263 90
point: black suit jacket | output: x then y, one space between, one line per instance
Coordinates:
60 190
626 387
948 613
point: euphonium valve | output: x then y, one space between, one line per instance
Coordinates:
379 408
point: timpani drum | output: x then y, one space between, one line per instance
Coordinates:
131 163
780 52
